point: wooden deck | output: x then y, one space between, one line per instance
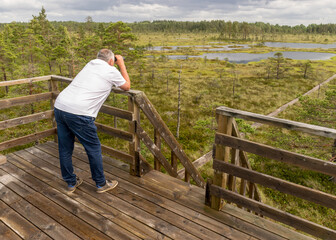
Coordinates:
35 205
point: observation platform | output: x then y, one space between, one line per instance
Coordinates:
34 204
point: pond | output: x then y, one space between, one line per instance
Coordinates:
253 57
300 45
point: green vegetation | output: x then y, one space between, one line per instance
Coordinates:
41 47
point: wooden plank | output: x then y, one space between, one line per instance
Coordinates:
117 154
35 216
289 219
235 226
111 212
27 139
117 112
82 221
11 102
288 124
155 118
3 159
19 224
114 132
7 233
278 184
25 80
151 207
156 223
304 161
134 146
26 119
155 151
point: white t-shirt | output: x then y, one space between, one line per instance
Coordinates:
89 89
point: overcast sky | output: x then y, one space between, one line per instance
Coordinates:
282 12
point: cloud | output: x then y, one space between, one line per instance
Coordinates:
283 12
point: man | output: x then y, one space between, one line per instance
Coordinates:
76 109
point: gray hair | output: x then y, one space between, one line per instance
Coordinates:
105 54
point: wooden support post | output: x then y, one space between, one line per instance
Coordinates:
186 177
3 159
157 142
207 192
53 87
173 161
222 154
134 146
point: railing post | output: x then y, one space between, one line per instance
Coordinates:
157 141
134 146
222 154
173 161
53 87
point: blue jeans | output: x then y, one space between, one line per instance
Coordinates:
70 126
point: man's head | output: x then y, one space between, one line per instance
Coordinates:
106 55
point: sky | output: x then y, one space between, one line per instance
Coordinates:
282 12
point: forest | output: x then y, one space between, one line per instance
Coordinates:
42 47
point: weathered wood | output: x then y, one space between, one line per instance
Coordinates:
304 161
8 233
155 118
117 154
3 159
53 87
11 102
25 80
134 146
114 132
155 151
278 184
117 112
197 163
157 142
278 215
180 198
222 153
26 119
173 163
27 139
288 124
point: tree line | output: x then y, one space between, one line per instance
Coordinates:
41 47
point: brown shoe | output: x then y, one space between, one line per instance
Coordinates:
110 184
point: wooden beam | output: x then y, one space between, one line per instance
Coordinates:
26 119
155 118
117 154
197 163
278 184
120 113
288 124
296 159
11 102
27 139
278 215
155 151
25 80
114 132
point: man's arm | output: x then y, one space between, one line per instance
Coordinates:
120 62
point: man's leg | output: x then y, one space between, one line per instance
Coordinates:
86 131
65 146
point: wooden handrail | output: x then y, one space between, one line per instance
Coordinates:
23 81
156 120
297 190
12 102
296 159
278 122
26 119
278 215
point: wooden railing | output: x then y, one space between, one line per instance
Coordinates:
138 104
222 187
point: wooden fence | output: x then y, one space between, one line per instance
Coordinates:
223 187
138 104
